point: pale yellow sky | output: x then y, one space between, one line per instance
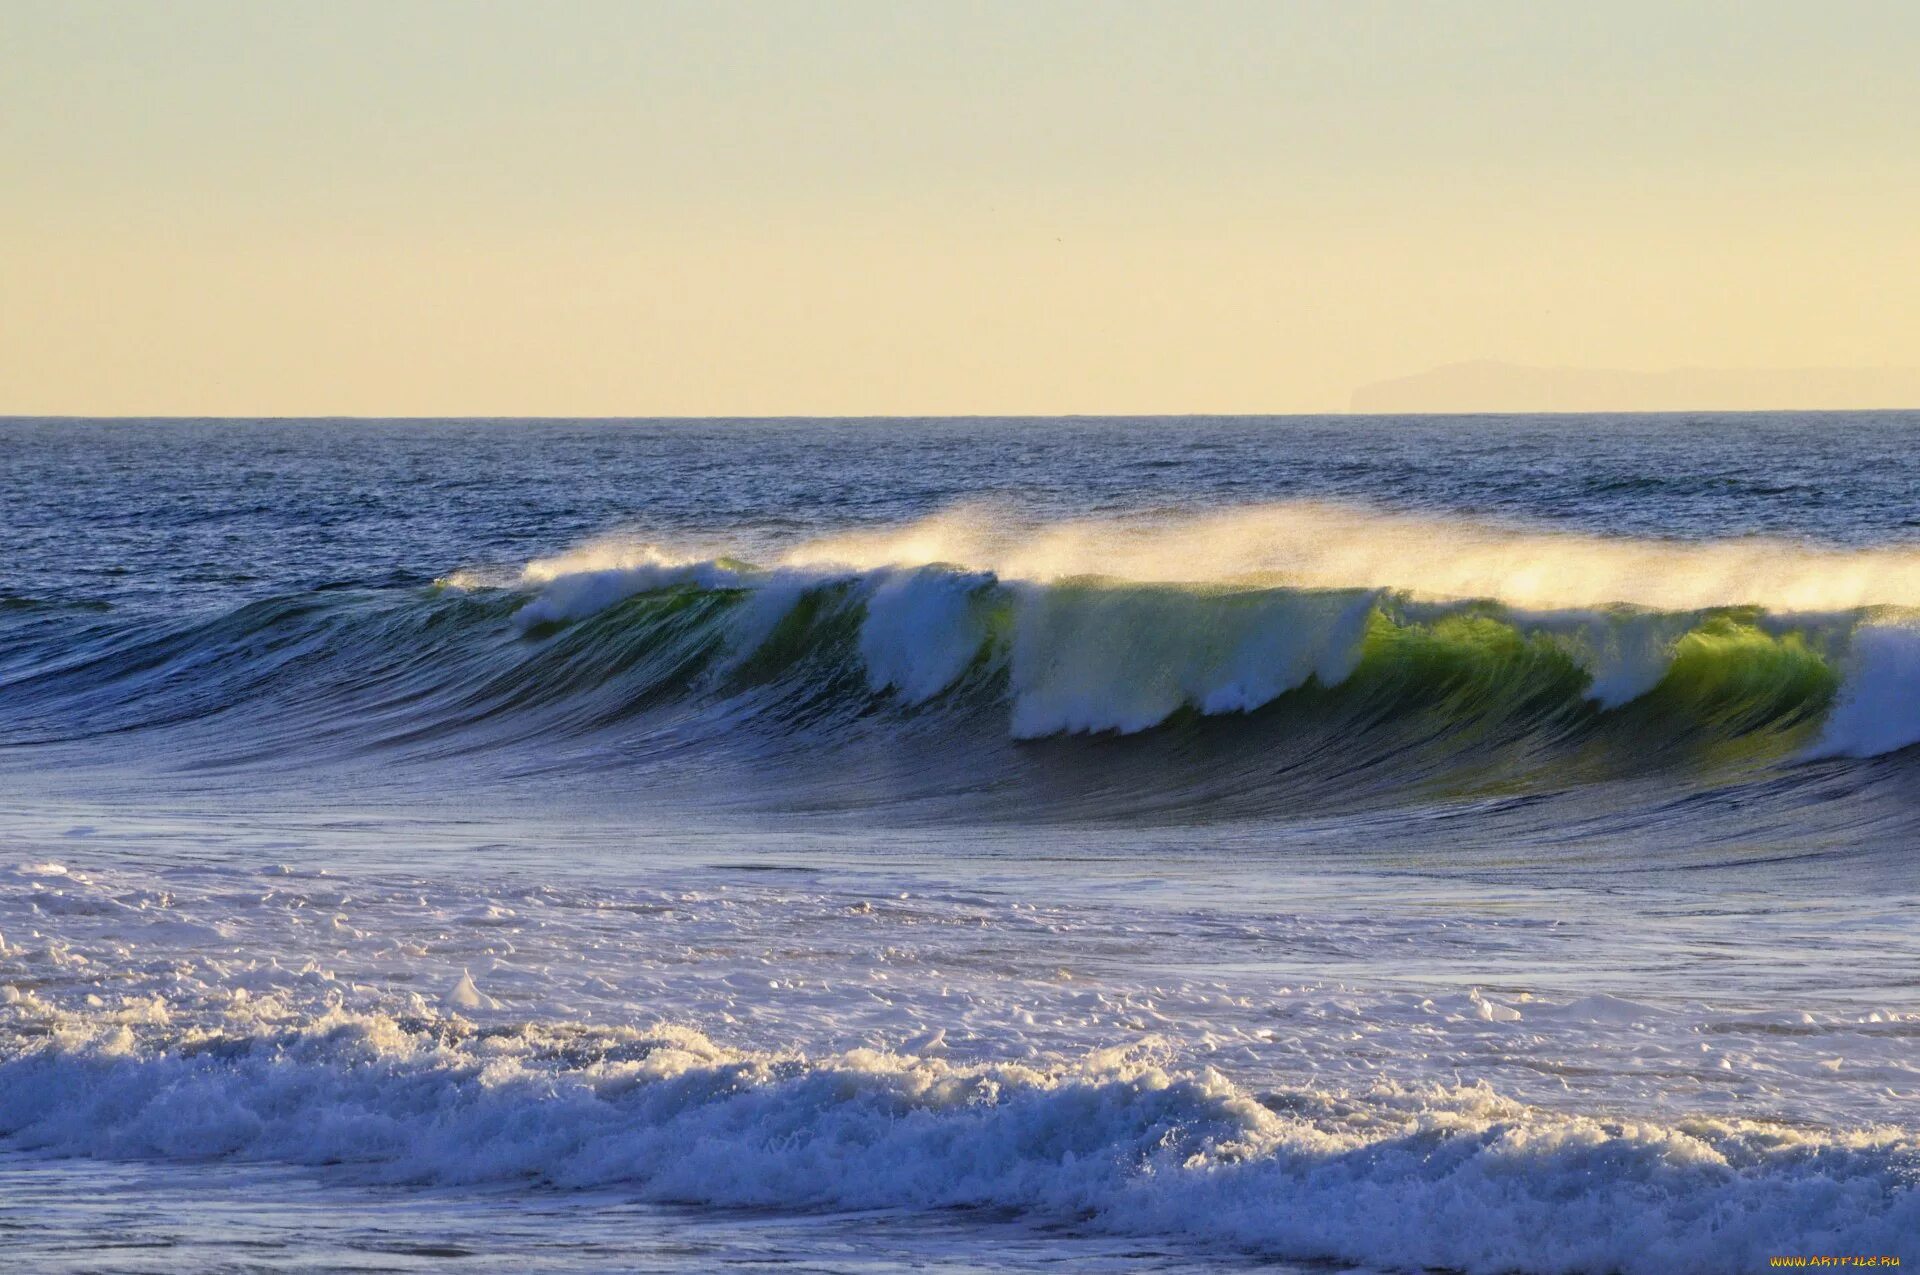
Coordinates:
414 208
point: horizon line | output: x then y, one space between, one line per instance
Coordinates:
764 417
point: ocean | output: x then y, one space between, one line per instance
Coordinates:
1481 844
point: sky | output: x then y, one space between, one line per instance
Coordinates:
422 207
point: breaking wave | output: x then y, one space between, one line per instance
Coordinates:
1253 690
1119 1141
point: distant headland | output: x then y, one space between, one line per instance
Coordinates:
1491 386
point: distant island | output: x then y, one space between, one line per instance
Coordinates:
1491 386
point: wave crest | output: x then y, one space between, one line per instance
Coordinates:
1458 1178
1267 697
1093 655
1310 545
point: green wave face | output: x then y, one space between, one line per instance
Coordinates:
1310 698
1092 657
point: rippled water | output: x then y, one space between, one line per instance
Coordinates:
1480 844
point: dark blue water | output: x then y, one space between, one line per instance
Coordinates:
181 513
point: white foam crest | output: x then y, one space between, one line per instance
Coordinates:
1626 653
1879 706
1096 658
922 630
1429 1176
596 576
1254 602
1315 545
771 597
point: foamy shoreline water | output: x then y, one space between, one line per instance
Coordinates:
797 1045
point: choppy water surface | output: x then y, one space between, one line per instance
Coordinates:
1481 844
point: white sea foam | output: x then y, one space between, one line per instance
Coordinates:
1099 655
799 1044
596 577
921 630
1435 1176
1879 707
1322 546
1626 653
1124 659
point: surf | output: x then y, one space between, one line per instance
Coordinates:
1332 678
